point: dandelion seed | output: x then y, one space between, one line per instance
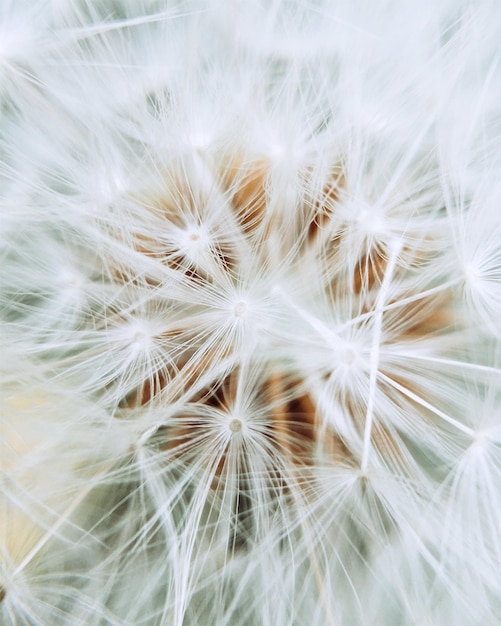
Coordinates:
235 425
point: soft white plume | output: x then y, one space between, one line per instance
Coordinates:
251 313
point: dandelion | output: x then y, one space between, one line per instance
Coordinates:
251 303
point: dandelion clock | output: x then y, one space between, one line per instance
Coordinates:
250 302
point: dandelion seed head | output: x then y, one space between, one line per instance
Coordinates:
240 308
235 425
250 313
369 220
201 139
140 339
480 440
195 237
348 356
70 279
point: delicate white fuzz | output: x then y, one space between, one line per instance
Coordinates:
250 313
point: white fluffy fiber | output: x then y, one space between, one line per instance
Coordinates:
250 297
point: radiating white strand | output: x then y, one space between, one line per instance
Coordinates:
377 328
